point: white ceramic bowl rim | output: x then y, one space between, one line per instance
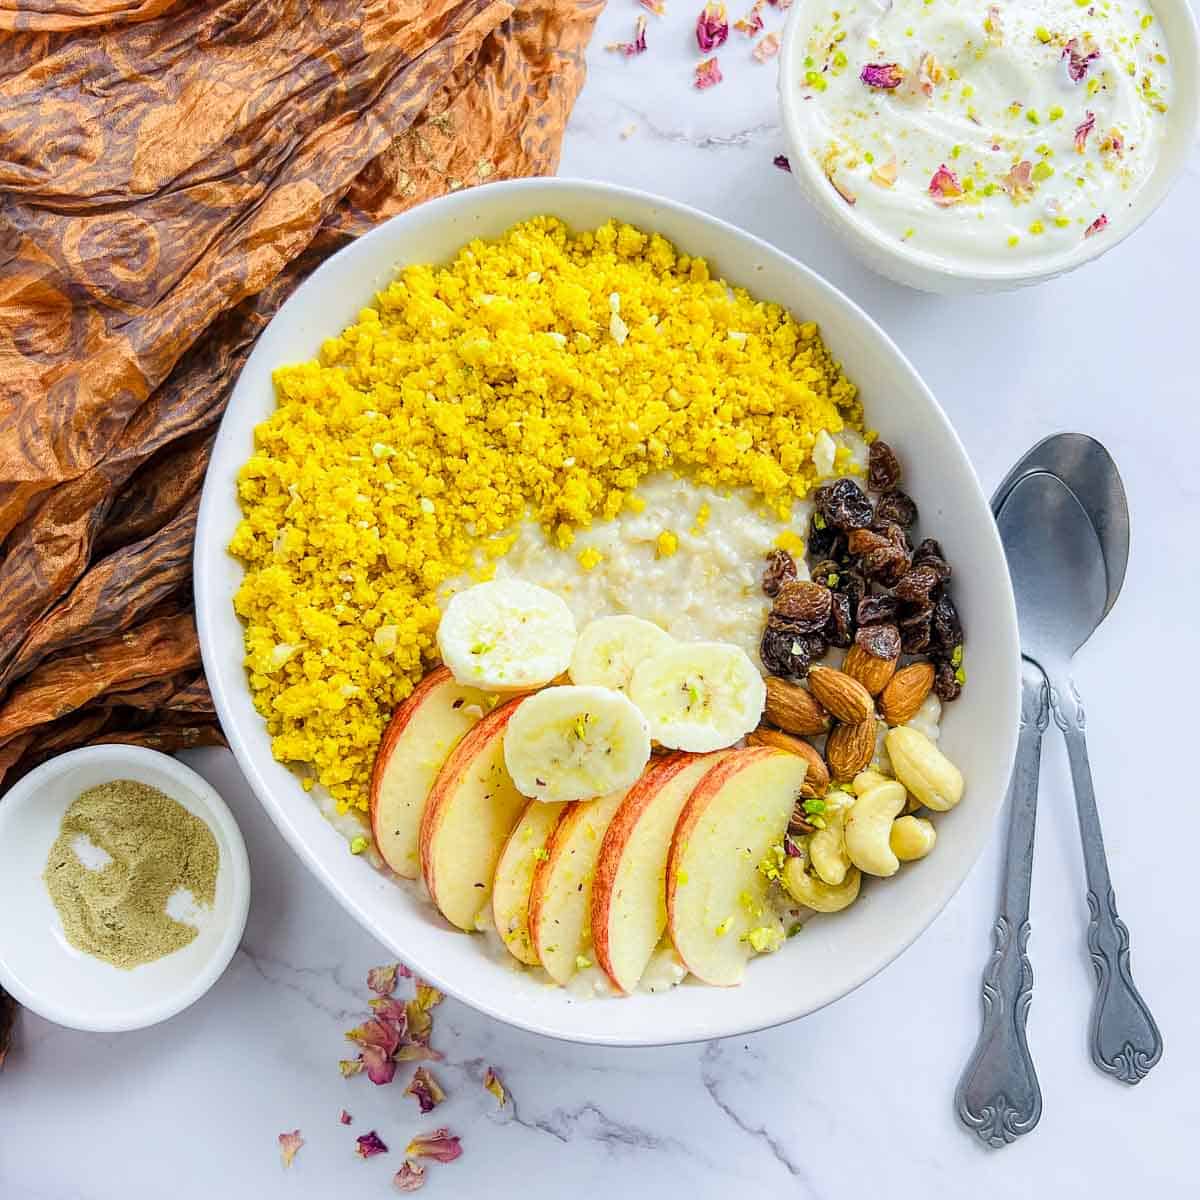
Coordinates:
1179 25
119 761
320 308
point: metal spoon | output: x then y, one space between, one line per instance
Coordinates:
1058 573
1087 468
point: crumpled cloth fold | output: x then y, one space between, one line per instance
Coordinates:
169 172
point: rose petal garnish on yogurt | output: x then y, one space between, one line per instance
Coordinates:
971 120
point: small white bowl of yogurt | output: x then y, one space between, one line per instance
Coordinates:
977 145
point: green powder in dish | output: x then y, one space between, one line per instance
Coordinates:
123 852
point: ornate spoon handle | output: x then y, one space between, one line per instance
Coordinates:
1125 1041
998 1095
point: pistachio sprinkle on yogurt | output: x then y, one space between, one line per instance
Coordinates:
980 131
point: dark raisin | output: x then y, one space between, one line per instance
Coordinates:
876 610
853 586
804 605
929 548
822 538
887 562
784 651
817 646
879 641
883 470
947 628
841 622
945 683
915 630
897 507
781 567
827 573
844 505
918 584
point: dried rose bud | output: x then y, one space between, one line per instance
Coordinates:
712 27
882 75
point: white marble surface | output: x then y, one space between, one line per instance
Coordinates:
852 1102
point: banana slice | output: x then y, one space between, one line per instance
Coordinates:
610 648
506 636
699 696
575 743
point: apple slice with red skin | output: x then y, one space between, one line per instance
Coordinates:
472 808
629 895
417 741
716 895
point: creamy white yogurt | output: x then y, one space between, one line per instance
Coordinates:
981 131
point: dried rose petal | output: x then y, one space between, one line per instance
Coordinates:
1098 224
637 46
929 73
411 1176
657 7
381 1067
425 1089
782 5
708 73
344 1117
751 24
417 1052
1018 183
491 1081
370 1144
383 1035
427 995
885 175
882 75
289 1143
1079 58
441 1144
420 1023
1113 143
944 187
388 1008
351 1066
383 979
781 161
712 27
767 48
1082 130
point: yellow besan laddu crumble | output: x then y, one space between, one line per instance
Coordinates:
542 373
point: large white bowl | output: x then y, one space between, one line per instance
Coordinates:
834 955
907 262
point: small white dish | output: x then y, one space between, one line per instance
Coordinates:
905 262
834 955
39 967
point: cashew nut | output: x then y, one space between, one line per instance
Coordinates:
924 769
912 838
812 892
827 847
869 826
864 781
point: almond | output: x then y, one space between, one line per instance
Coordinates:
793 708
906 692
816 780
873 673
850 748
845 697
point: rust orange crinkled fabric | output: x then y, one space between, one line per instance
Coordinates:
168 173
